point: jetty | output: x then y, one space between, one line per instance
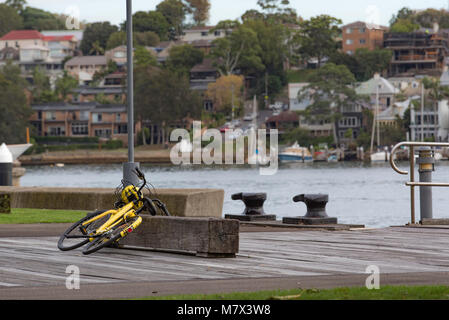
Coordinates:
31 267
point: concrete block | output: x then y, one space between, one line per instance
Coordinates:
205 237
180 202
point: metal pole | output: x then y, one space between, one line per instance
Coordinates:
422 112
412 179
426 163
377 112
128 168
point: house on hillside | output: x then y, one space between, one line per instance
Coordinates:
84 67
358 35
386 91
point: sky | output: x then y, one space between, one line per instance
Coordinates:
379 11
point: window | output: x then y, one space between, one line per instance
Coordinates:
119 54
350 52
103 133
56 131
84 115
388 102
97 117
204 33
50 115
217 33
17 44
117 117
362 41
80 128
362 30
349 41
348 30
39 115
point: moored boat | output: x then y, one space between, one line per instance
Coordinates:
295 153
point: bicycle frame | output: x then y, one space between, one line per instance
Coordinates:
117 215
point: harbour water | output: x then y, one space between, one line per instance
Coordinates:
373 195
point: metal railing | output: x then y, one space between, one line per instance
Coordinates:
412 183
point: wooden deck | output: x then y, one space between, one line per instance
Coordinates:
29 262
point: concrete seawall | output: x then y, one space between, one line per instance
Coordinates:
180 202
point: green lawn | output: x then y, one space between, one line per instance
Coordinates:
30 216
385 293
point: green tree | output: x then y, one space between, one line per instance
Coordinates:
37 19
150 21
239 50
143 58
404 26
183 58
317 38
17 5
174 12
97 33
146 39
9 19
64 85
41 89
199 9
164 97
403 14
329 90
13 106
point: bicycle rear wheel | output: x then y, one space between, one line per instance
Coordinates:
115 235
74 237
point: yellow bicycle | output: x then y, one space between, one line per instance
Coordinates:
100 229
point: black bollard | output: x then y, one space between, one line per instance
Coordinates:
316 210
253 207
6 161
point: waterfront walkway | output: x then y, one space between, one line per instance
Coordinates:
32 267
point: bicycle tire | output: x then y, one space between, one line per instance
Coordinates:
72 228
110 238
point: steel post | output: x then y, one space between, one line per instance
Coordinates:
426 163
6 161
128 168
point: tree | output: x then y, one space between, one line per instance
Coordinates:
403 14
13 106
37 19
150 21
199 9
174 12
17 5
9 19
97 49
330 91
164 97
226 93
404 26
144 58
96 33
317 38
64 85
41 89
183 58
240 49
146 39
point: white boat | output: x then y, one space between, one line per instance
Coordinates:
295 153
382 156
18 149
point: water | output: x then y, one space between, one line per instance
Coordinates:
373 195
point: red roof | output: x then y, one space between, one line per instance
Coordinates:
22 35
58 38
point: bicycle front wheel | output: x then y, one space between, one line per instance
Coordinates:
75 236
109 238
